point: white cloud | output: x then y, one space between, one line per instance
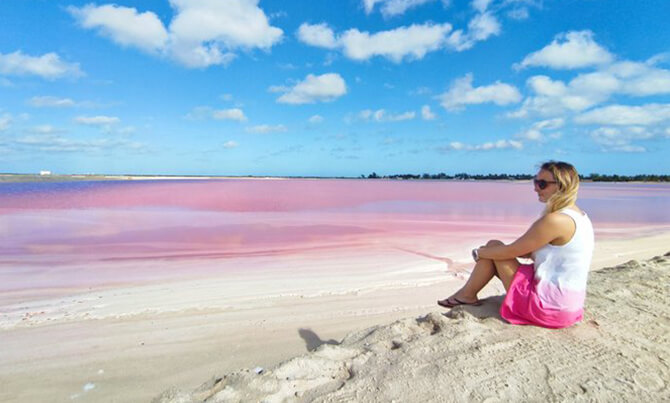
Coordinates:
200 56
402 116
462 93
391 8
531 134
380 115
570 50
554 97
323 88
554 106
320 35
641 79
202 33
44 129
51 102
330 58
403 43
483 26
229 114
459 41
124 25
481 5
537 131
48 66
315 119
595 83
426 113
5 121
200 112
278 88
488 146
287 66
234 23
368 5
201 30
518 14
550 124
264 129
97 120
421 91
205 112
624 115
543 85
230 144
53 143
278 14
621 139
412 42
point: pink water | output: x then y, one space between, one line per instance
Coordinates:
75 234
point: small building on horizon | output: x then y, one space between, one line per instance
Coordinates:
45 173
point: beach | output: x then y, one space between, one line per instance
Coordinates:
619 352
125 355
264 201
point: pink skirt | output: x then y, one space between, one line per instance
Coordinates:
522 306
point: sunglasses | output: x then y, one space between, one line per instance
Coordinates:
541 183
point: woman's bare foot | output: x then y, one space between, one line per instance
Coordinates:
459 298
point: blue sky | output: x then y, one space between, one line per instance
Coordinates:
241 87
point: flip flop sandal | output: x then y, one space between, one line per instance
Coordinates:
453 301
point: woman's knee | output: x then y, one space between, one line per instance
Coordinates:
494 242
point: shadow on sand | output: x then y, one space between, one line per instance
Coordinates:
490 308
312 340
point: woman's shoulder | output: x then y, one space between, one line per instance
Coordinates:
557 216
558 219
563 216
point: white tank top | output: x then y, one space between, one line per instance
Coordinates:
561 271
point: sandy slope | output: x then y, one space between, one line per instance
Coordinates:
620 352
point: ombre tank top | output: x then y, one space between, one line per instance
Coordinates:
561 271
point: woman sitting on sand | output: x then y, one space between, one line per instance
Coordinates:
549 292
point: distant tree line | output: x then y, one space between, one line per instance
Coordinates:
594 177
626 178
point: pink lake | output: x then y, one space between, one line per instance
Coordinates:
59 237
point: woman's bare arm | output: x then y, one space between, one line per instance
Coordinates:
542 232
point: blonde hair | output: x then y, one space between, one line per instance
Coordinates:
567 180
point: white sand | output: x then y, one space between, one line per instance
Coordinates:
620 352
132 343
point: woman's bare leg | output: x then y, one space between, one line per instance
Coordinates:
482 273
506 269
